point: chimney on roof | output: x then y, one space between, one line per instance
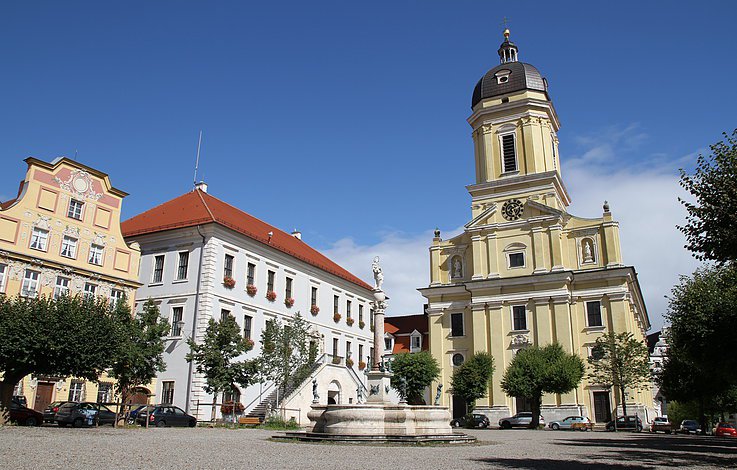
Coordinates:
297 234
202 186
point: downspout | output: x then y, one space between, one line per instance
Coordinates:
194 319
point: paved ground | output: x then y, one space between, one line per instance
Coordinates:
202 448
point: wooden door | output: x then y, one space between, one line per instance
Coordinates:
602 407
459 407
44 392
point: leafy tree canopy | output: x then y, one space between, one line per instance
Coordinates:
287 354
140 358
76 336
621 361
413 373
536 370
711 218
471 379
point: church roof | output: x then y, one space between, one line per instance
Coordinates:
521 76
199 208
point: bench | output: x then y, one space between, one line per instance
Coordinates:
249 421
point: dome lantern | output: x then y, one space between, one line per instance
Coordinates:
508 50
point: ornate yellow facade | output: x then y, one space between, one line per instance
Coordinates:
524 270
62 234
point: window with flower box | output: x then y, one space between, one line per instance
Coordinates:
228 266
313 296
270 281
251 275
336 300
288 288
348 309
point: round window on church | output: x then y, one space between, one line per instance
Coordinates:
458 359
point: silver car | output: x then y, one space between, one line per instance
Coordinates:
582 423
520 420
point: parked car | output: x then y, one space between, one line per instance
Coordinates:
726 430
21 399
49 412
20 414
165 415
520 420
661 424
625 423
689 426
581 423
479 421
84 413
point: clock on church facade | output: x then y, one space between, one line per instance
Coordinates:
526 271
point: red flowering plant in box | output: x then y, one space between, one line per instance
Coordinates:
349 362
251 289
271 295
249 344
229 282
349 321
361 324
361 365
229 408
314 310
336 317
289 301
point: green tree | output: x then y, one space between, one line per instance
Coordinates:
536 370
216 356
471 380
140 358
711 218
72 336
413 373
287 354
619 360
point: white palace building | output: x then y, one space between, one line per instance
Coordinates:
202 258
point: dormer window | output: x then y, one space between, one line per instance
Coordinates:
502 76
415 342
388 343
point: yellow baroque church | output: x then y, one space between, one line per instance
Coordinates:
525 271
61 234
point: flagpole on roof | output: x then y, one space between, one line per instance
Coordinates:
197 162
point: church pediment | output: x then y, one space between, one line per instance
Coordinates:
483 218
536 209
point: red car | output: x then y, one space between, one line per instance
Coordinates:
23 415
725 429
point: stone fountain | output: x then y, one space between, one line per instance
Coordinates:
378 419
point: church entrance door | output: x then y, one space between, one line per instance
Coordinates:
459 407
602 407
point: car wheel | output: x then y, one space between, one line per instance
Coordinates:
456 424
192 423
554 426
161 424
31 421
77 423
506 425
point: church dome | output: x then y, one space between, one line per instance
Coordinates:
508 77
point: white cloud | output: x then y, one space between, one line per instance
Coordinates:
642 197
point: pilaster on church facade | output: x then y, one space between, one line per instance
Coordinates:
526 271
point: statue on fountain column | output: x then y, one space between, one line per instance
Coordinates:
378 274
315 396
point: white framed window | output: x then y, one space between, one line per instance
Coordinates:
519 317
116 296
228 266
415 343
224 314
96 252
69 247
177 313
39 239
3 276
388 343
508 146
457 359
348 309
593 314
251 274
456 324
75 209
516 259
158 271
183 265
29 288
105 392
247 322
288 288
76 391
167 392
90 289
61 287
270 276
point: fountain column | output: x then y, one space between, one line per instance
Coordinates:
379 380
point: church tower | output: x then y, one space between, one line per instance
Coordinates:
526 271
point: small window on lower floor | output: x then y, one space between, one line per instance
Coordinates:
593 314
167 392
458 359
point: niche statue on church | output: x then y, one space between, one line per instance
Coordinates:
588 250
456 268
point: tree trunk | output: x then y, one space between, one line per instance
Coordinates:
536 402
624 402
6 394
702 415
214 405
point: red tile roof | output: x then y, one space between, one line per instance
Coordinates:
402 327
199 208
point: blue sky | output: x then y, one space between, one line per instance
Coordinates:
347 120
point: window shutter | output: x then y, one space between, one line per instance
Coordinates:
508 153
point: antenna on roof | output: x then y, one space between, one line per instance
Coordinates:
197 162
75 154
